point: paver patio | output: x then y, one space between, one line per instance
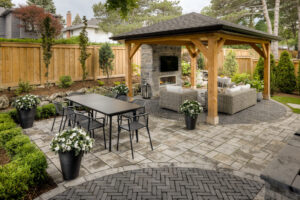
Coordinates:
240 149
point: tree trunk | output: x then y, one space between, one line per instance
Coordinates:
267 17
298 29
276 24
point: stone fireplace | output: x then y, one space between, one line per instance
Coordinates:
150 66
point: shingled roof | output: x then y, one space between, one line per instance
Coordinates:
189 24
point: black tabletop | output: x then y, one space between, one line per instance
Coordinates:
103 104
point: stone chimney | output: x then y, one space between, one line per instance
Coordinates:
69 23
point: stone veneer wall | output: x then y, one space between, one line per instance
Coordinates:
150 64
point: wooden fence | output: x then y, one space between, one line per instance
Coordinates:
23 62
20 61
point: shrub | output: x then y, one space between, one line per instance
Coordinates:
106 58
23 87
7 135
257 84
120 89
19 140
230 64
200 61
116 83
4 117
101 83
186 68
7 125
241 78
259 69
14 180
65 81
285 74
187 84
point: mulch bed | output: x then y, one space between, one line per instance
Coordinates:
4 159
287 95
34 192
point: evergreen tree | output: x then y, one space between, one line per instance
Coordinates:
200 61
285 74
230 65
48 5
48 34
77 20
83 44
106 58
6 4
259 69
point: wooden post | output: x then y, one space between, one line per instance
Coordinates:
128 68
95 60
266 93
212 116
193 71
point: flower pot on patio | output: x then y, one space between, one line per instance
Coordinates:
190 122
26 108
26 117
191 109
70 164
259 96
70 145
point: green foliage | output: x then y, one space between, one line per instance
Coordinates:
191 108
23 87
116 83
187 84
298 79
146 13
48 5
285 100
8 134
230 64
200 61
257 84
77 20
259 69
241 78
45 112
106 58
6 4
186 68
136 69
101 83
26 102
28 165
48 34
65 81
83 44
7 125
285 74
122 6
121 89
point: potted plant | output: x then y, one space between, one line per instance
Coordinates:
259 86
120 90
26 108
191 109
70 146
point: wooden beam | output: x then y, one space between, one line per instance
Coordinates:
201 47
212 88
128 68
258 50
264 48
241 38
266 93
134 49
191 51
220 44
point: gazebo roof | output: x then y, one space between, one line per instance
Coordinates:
193 23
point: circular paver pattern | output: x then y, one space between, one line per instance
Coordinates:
165 183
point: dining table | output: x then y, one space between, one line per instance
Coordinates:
105 105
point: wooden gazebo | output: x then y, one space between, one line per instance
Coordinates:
199 33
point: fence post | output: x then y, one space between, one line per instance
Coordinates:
95 63
41 65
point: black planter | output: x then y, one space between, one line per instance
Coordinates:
70 164
190 122
26 117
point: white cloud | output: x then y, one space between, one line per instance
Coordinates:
84 7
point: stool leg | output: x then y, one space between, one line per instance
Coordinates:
131 144
149 137
53 123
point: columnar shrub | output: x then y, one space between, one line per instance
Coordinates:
230 66
285 74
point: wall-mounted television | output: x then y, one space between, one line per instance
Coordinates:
168 63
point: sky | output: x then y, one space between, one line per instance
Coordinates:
84 7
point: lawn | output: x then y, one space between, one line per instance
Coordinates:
285 100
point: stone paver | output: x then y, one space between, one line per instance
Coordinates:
243 148
165 183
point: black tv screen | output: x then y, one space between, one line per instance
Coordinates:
168 63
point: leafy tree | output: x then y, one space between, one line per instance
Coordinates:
48 5
77 20
230 65
6 4
48 34
147 13
33 17
83 44
123 7
106 58
285 73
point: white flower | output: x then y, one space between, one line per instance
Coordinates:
56 148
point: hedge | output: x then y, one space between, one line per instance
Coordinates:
28 164
42 112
